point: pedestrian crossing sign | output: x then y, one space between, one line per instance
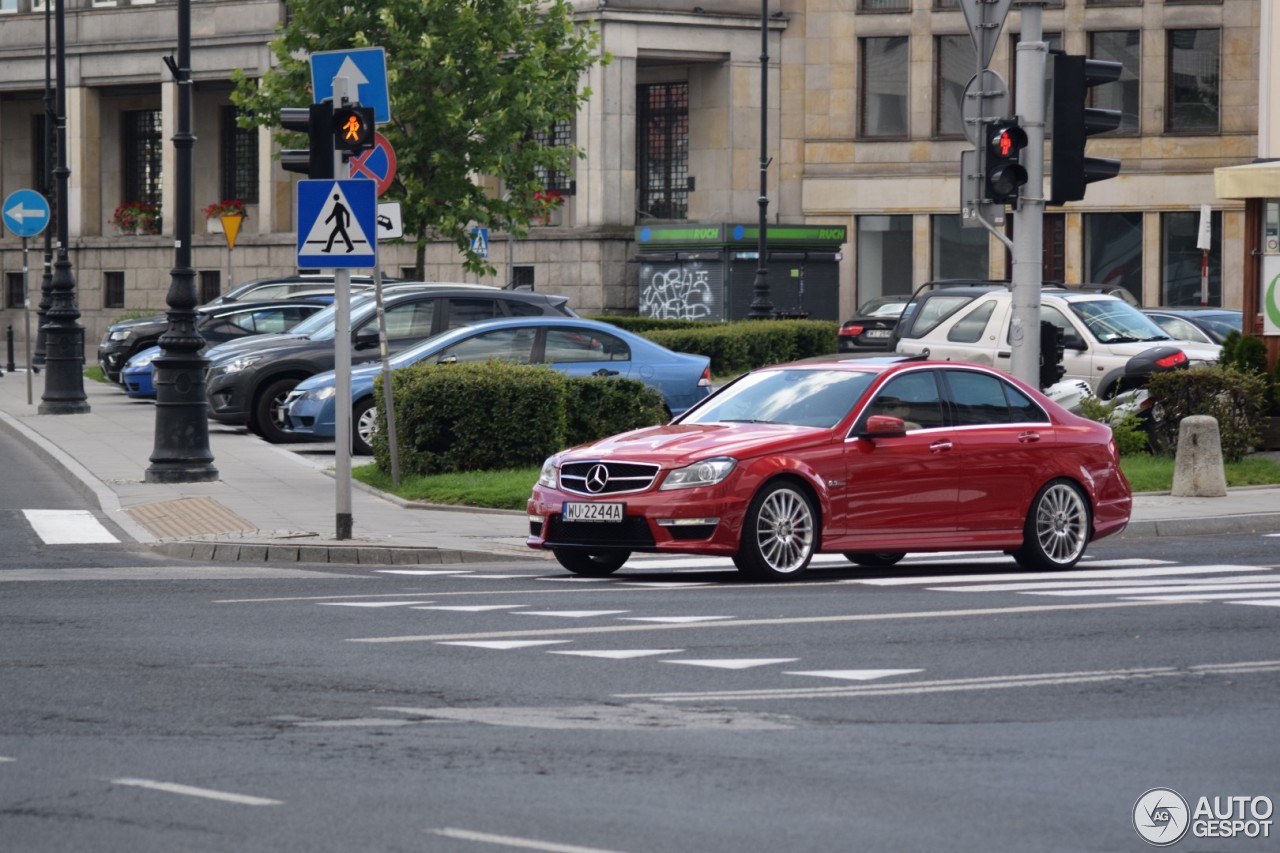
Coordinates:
480 242
337 224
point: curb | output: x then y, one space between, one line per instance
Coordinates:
364 555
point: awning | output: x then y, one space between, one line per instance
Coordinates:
1252 180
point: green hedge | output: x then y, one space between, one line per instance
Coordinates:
493 415
738 347
1234 399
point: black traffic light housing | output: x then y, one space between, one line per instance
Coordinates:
1004 174
316 160
353 128
1073 123
1051 351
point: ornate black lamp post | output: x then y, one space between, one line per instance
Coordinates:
46 187
64 337
181 453
761 304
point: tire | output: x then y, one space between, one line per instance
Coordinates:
266 422
364 426
591 563
1057 528
779 534
880 560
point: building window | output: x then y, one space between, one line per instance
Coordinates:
663 159
883 88
1113 250
1125 47
955 64
1181 260
113 290
560 136
7 6
522 277
1054 43
959 252
885 249
884 5
15 291
239 159
210 285
1194 76
1113 2
142 148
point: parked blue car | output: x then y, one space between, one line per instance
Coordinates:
219 324
573 346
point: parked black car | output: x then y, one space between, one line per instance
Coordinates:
871 327
250 379
1202 325
122 340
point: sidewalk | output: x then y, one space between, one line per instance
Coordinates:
275 505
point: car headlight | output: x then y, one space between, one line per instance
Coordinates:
320 393
139 361
708 472
120 335
236 365
547 476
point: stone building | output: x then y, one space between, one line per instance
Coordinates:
865 134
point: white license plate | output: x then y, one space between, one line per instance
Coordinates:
877 333
578 511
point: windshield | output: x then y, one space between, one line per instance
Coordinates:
1113 321
319 326
816 398
883 307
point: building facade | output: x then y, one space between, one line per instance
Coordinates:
865 123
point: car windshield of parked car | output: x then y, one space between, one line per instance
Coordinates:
883 307
1113 321
1221 326
319 326
803 397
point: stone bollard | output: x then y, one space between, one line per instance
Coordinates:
1197 469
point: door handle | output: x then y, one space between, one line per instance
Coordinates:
940 446
604 371
1008 354
1028 437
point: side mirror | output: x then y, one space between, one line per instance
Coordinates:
366 338
883 426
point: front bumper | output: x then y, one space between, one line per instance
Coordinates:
228 399
308 418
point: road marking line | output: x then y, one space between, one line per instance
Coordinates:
1139 590
996 682
1211 596
512 841
754 623
1266 602
421 573
1099 574
1106 584
733 663
856 674
5 759
617 654
471 608
190 791
68 527
371 603
676 620
572 614
504 645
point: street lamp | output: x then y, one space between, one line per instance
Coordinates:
181 453
64 337
761 304
46 188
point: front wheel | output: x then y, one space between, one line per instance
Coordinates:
268 411
880 560
779 534
364 426
591 563
1057 528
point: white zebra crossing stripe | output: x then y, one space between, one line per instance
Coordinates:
1105 584
734 663
68 527
1266 602
856 674
616 654
1138 590
572 614
1085 574
370 603
505 645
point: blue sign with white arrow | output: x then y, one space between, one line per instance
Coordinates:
25 213
366 72
337 224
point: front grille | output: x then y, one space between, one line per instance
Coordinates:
633 532
607 478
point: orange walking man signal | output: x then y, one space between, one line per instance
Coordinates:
353 128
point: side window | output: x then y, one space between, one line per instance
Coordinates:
1022 408
514 345
969 329
270 320
978 398
464 310
1048 314
1179 329
913 397
411 320
575 345
934 310
522 309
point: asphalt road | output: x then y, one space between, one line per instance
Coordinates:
949 704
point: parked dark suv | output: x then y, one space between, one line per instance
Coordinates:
122 340
250 379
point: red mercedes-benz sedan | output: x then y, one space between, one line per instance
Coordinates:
872 458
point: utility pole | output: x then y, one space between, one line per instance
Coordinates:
1028 220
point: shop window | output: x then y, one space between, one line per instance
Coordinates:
1113 250
1181 259
959 252
885 249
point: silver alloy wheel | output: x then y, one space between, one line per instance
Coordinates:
1062 524
784 531
367 425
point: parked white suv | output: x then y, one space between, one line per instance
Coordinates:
1100 333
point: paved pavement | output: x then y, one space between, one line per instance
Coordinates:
272 504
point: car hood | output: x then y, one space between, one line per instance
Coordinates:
678 444
1195 352
253 343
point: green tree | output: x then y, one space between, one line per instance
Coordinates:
474 87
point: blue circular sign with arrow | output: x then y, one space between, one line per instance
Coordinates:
25 213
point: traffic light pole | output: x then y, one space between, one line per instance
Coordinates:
342 363
1028 233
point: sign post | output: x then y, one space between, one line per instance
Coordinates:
1204 242
26 214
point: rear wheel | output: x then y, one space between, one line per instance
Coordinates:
1057 528
364 426
780 533
886 558
591 563
268 411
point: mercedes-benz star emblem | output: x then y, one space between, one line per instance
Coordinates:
597 479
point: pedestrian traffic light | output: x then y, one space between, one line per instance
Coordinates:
1004 174
316 160
1073 123
353 128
